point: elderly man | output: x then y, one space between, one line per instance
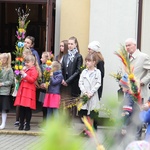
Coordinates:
141 64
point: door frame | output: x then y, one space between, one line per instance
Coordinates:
49 10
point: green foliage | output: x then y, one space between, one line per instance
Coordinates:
57 136
84 99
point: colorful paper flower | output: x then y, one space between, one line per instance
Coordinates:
135 89
20 34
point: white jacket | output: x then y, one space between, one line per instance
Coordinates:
90 85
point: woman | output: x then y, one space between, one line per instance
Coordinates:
94 47
63 51
71 68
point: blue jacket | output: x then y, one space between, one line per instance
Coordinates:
35 53
145 117
55 82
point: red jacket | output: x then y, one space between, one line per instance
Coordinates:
26 95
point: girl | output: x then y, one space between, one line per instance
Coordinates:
63 50
6 80
71 68
26 96
89 83
44 58
52 98
29 43
94 47
26 52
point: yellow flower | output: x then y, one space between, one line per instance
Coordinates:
20 67
21 30
79 106
48 62
16 67
100 147
131 76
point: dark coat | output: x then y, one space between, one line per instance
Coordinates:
35 53
73 71
55 83
100 66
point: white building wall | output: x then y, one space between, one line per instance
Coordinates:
111 23
145 40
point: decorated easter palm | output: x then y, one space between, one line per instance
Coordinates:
133 84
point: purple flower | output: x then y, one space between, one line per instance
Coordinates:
17 72
48 68
23 35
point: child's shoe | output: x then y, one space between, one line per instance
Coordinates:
21 127
27 127
16 124
2 127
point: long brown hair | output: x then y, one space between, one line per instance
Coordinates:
65 49
99 56
76 42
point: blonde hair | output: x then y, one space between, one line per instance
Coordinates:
8 57
56 64
33 59
27 51
47 55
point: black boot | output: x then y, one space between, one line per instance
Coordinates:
27 127
21 126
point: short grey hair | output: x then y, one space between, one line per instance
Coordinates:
132 40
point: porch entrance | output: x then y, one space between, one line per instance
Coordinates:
41 26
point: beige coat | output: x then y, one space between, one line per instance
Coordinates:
141 63
90 85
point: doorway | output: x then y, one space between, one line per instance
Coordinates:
36 27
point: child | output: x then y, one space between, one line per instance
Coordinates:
26 96
52 98
6 80
89 83
94 47
26 52
129 114
44 58
145 117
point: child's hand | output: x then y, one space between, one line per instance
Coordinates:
22 72
51 74
145 106
64 83
89 95
42 86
